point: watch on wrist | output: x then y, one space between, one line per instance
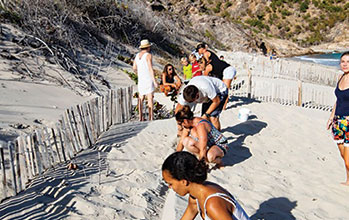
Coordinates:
207 115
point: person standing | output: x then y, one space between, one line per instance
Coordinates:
143 67
219 67
339 118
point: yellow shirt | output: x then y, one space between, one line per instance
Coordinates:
187 72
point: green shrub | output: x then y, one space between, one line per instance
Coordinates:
304 6
227 4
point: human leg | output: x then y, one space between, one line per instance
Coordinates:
215 155
140 107
227 82
346 162
191 145
150 106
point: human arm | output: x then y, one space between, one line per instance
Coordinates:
207 56
164 82
330 120
219 209
178 81
151 70
215 103
185 133
134 67
191 211
207 70
202 142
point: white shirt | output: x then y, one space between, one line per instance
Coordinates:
208 87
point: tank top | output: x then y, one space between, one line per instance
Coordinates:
194 67
342 103
238 213
145 81
217 66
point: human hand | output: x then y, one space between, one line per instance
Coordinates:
329 123
156 85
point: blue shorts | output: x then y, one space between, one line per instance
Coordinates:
222 96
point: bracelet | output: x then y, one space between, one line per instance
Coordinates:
207 115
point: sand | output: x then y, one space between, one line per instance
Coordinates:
281 164
278 167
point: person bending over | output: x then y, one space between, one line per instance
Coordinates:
210 91
185 174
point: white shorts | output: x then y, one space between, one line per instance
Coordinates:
229 72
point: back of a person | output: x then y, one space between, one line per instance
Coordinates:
142 68
218 65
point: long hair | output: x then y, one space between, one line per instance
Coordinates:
166 69
184 165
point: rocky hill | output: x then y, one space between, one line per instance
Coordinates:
74 34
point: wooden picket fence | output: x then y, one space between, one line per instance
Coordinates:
284 91
79 128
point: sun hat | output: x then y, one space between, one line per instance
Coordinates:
144 44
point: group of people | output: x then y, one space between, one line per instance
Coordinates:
207 81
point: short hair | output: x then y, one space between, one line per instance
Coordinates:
345 54
192 56
184 113
190 92
185 166
183 59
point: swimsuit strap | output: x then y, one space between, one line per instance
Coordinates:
204 120
220 195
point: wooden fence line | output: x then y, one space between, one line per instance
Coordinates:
79 128
285 91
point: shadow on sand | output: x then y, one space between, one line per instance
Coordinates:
53 195
275 209
239 101
238 152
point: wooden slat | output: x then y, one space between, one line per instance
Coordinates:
80 129
119 105
34 166
67 142
22 162
110 108
46 137
17 166
3 170
54 138
12 166
46 162
29 164
74 129
91 120
71 131
61 142
84 125
84 111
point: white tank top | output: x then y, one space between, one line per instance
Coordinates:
145 81
238 214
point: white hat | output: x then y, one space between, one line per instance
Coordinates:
144 44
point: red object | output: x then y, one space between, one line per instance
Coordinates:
195 66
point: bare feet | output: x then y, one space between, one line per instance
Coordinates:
345 183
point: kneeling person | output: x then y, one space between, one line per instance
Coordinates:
200 137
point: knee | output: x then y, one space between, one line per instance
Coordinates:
211 157
188 142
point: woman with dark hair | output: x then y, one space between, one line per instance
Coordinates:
339 118
170 81
185 174
200 137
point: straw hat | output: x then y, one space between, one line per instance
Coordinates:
144 44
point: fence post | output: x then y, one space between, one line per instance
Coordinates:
299 93
3 168
249 84
13 171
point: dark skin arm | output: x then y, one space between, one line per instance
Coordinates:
191 210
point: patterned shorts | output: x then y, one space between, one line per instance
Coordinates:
340 130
